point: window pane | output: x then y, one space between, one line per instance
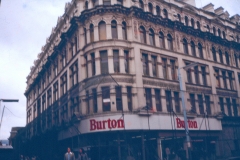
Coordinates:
158 100
116 61
148 98
145 64
126 61
106 99
154 66
102 30
104 62
114 29
118 90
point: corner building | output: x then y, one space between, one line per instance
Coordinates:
106 80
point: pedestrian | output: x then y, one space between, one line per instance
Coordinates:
69 155
82 155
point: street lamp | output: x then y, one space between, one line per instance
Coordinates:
184 106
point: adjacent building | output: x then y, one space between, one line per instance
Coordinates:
106 81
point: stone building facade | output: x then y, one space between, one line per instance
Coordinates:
106 80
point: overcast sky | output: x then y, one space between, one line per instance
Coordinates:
24 27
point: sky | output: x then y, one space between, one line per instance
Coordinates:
24 27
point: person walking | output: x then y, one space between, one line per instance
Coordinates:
69 155
82 155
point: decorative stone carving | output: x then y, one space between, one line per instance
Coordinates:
227 93
198 89
161 84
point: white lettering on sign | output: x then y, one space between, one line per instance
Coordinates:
181 124
106 124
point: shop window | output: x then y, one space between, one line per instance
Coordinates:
114 29
116 61
145 64
118 90
204 76
124 30
165 13
168 100
196 74
200 50
221 103
164 67
208 104
158 11
104 62
192 102
161 40
229 106
220 56
200 104
150 7
170 42
186 21
151 37
95 101
185 46
158 100
93 65
102 30
177 102
154 66
142 34
126 61
193 50
173 70
224 79
227 58
106 99
91 29
214 54
129 98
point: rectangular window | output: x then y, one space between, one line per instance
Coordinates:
104 62
129 98
200 104
106 2
235 107
189 75
230 80
158 100
126 61
229 106
173 70
218 84
63 60
56 117
154 66
164 67
64 83
74 74
39 88
93 64
224 79
49 75
221 103
55 91
86 65
87 102
204 76
74 105
168 100
55 68
106 99
145 64
44 102
95 104
192 102
118 90
44 82
196 74
148 98
177 102
116 61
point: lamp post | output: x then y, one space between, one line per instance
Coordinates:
184 106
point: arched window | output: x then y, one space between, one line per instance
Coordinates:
161 40
91 29
224 35
165 13
208 28
186 20
114 29
142 34
86 5
200 51
214 31
192 22
193 50
95 3
170 42
179 18
120 2
151 37
220 56
150 7
158 10
227 58
102 30
214 54
198 25
219 33
141 4
124 30
185 46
